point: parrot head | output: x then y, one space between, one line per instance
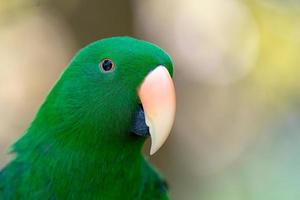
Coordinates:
114 90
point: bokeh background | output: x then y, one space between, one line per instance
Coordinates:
237 71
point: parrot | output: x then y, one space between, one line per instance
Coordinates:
86 139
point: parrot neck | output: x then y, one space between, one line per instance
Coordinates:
101 166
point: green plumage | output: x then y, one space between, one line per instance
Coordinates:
79 145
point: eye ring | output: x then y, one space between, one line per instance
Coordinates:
107 65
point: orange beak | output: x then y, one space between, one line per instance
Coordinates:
157 95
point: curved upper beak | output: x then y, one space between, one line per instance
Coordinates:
157 95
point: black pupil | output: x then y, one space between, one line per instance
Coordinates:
107 65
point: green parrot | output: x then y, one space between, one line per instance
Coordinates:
86 140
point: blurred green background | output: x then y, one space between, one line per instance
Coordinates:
237 71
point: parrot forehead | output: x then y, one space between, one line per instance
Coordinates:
125 47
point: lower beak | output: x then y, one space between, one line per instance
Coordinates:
157 95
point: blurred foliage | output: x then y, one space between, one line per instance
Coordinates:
277 70
92 20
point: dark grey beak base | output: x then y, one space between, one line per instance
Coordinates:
139 126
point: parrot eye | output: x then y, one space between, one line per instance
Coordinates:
107 65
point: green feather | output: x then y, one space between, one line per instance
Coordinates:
79 145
